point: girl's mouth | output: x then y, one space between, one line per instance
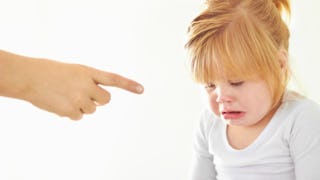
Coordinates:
232 114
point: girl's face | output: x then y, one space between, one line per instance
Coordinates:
240 103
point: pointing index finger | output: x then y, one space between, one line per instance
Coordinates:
116 80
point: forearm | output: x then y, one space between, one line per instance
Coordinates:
12 82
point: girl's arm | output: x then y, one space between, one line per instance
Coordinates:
202 167
305 143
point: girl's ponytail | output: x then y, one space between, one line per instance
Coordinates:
283 6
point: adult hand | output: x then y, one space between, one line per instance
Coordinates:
69 90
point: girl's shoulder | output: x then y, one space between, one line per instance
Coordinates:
301 111
297 103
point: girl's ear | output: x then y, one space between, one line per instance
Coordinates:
283 58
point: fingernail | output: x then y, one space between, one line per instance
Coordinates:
139 89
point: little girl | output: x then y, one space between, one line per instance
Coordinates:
255 128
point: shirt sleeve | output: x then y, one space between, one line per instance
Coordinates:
305 143
202 167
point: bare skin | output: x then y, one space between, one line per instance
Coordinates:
68 90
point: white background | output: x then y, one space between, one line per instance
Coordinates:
139 137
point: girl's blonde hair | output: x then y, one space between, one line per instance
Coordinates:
239 40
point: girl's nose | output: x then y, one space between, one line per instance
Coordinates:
223 94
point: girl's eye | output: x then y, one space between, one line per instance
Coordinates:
236 83
210 86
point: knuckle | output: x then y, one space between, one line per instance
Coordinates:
76 116
81 67
90 110
70 112
105 99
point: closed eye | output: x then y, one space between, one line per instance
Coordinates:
237 83
210 86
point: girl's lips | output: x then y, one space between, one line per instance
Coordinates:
232 114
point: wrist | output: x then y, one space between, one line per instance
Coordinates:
13 80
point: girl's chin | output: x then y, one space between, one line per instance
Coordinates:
236 122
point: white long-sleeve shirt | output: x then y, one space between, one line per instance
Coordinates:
287 149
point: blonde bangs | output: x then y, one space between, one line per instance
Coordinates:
241 51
